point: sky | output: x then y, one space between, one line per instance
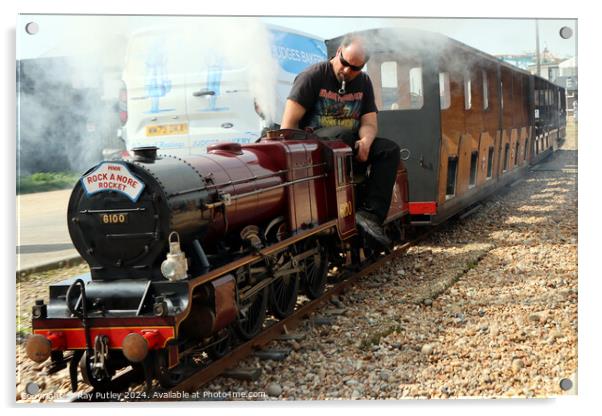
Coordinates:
494 35
65 34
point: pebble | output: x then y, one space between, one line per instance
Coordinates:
385 375
460 318
338 311
427 349
323 320
274 390
556 333
517 365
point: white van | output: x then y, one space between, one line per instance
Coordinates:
185 88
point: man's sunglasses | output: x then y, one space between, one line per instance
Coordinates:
347 64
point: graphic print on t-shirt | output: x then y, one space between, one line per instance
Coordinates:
333 110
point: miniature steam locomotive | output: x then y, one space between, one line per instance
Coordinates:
182 250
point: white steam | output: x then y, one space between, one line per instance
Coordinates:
409 43
68 91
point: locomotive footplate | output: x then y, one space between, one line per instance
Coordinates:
132 315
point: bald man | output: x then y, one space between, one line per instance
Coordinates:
336 97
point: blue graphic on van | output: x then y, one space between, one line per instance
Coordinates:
296 52
156 83
214 83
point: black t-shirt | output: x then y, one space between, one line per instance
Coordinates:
316 89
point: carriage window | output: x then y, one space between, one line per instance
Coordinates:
467 93
401 87
390 89
506 151
544 100
349 168
340 176
416 96
485 91
516 149
474 157
452 168
490 163
444 92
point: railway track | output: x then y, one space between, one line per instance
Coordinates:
199 375
202 375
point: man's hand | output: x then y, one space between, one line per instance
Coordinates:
363 146
367 133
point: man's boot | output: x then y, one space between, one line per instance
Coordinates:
369 223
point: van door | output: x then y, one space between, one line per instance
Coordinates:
156 92
220 104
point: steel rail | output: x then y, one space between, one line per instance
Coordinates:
204 375
269 334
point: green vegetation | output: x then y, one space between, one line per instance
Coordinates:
46 181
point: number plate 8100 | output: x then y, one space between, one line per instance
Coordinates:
117 218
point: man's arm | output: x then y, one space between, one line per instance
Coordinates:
367 133
293 113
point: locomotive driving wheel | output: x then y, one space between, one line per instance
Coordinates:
168 378
251 308
284 290
315 269
220 346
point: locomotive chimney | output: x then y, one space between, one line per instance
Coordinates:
146 154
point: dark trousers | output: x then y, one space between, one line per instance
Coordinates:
374 195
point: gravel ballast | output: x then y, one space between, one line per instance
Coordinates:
485 307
